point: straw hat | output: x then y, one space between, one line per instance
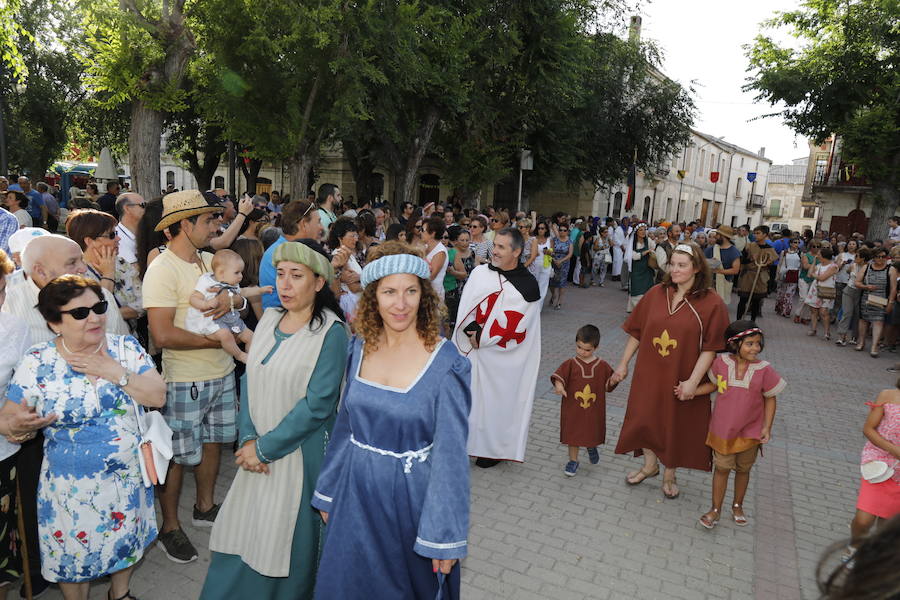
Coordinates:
181 205
725 231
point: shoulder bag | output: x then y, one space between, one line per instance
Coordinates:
155 443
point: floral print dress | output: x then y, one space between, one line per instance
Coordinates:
95 516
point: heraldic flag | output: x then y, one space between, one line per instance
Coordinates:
681 173
714 177
632 181
751 177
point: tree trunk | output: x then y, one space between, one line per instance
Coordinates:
406 173
363 169
143 149
250 168
299 169
885 205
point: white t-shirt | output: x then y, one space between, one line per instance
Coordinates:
127 244
24 218
894 233
17 339
438 282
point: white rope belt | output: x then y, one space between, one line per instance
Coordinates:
407 457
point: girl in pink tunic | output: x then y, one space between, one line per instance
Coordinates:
882 429
742 417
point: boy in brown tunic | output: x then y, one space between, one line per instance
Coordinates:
583 381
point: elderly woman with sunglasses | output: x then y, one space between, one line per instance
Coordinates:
95 232
95 517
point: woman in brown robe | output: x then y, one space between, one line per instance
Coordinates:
676 330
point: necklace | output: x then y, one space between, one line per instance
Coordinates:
63 341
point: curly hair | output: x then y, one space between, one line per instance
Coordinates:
431 312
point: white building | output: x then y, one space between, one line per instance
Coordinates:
786 205
682 190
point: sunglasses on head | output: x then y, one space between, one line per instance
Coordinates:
81 313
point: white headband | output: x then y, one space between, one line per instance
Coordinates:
684 248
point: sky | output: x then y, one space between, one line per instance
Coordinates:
701 41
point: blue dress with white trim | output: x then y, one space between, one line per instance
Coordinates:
395 483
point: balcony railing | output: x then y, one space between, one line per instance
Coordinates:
756 201
845 176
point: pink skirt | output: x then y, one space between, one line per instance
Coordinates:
879 499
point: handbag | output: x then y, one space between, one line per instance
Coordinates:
155 444
877 301
826 293
792 276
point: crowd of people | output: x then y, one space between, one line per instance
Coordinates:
348 356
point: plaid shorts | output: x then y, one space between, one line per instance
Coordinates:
200 412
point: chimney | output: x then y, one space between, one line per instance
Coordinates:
762 152
634 30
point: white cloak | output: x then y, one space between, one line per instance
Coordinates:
619 237
504 366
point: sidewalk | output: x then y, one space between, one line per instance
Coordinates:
537 534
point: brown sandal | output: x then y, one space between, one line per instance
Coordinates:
670 483
640 473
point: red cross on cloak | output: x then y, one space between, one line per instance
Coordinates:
509 332
481 317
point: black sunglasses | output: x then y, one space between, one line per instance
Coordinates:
141 204
81 313
111 235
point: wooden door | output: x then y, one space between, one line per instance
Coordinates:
704 211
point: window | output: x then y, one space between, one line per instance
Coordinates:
809 212
219 182
170 178
737 187
646 214
617 204
687 159
702 166
668 208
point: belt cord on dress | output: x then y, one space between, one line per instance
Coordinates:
407 457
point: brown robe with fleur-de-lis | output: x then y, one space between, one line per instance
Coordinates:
670 344
582 413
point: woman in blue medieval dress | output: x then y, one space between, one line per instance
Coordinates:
394 487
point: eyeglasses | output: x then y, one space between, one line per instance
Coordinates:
141 204
81 313
110 234
418 228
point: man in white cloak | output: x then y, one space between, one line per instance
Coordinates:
498 327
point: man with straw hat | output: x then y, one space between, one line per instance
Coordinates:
200 398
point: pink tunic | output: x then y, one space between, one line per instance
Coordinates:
739 413
882 499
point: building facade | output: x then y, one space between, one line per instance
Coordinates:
787 205
844 198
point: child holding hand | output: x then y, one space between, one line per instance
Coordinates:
742 416
228 270
583 381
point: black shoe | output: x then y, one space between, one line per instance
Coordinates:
205 519
176 545
486 463
39 587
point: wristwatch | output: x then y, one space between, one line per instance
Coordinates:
123 380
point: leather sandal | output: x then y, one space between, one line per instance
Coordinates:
127 596
642 474
670 483
709 522
739 519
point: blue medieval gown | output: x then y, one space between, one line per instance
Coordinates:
395 483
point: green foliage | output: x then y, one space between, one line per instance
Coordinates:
37 108
842 79
12 37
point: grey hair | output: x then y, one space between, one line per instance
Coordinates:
34 250
516 241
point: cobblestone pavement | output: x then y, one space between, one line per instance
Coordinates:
537 534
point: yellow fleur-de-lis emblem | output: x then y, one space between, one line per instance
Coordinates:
721 384
664 342
586 396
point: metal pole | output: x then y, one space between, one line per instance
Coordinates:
519 200
231 188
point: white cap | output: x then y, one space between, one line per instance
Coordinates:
20 239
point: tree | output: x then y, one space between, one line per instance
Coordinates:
285 77
195 142
137 52
37 107
843 80
12 37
